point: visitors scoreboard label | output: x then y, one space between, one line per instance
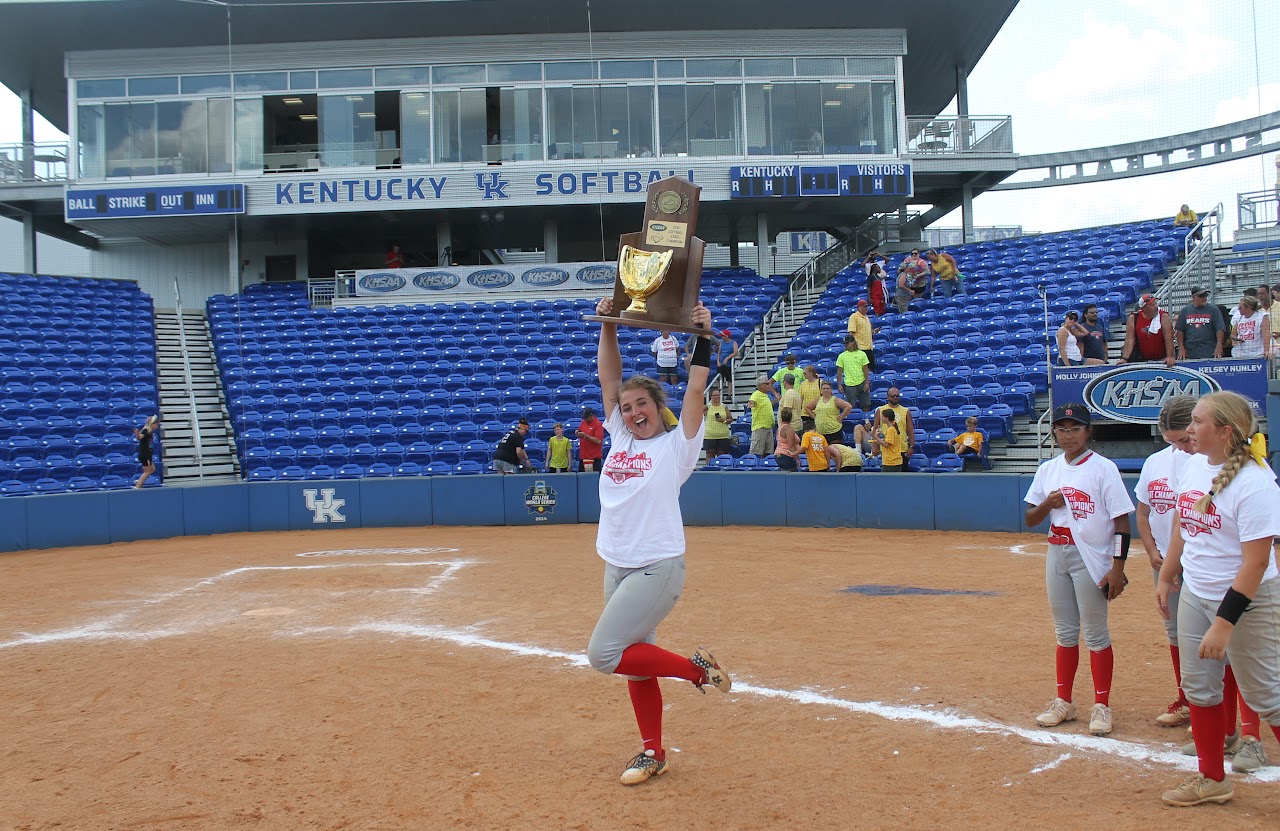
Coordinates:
120 203
799 180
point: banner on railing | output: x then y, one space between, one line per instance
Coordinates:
1134 393
507 278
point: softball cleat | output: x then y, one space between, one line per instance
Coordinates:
711 672
643 767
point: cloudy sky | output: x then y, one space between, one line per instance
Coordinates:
1097 72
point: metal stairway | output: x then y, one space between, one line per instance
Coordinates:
196 428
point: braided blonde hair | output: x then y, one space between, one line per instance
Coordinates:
1227 409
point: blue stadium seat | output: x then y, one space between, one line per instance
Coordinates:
947 463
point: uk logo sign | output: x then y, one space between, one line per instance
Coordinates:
492 185
326 508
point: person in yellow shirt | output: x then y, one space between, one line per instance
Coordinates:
852 373
905 424
790 401
559 452
948 273
815 450
1186 218
810 391
829 414
969 443
863 333
890 443
761 405
843 458
716 438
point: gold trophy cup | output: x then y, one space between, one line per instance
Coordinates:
641 273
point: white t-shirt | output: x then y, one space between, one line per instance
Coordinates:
1095 495
1247 342
667 350
1157 489
640 520
1248 509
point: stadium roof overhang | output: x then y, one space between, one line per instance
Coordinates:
941 34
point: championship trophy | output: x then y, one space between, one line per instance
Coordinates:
660 268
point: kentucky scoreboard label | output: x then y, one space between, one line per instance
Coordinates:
120 203
1134 393
797 180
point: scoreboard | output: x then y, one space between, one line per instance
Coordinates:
795 180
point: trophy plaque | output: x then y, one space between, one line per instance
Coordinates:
660 268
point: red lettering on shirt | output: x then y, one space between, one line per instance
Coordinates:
620 467
1081 503
1160 496
1196 522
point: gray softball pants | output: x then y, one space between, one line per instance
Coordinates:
636 600
1170 625
1075 601
1253 652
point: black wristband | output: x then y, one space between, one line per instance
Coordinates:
701 352
1121 547
1233 605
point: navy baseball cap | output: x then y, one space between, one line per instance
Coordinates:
1072 412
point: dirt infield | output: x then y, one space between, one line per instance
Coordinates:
434 678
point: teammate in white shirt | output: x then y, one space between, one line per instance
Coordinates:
666 351
641 536
1157 502
1229 606
1085 500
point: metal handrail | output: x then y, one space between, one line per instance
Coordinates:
43 161
190 382
1197 257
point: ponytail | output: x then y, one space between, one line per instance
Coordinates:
1234 464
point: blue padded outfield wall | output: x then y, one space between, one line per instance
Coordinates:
915 501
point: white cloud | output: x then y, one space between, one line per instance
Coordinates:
1249 105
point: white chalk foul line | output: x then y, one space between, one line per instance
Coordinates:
941 719
1051 765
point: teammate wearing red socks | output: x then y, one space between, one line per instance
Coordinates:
1085 500
1229 606
641 536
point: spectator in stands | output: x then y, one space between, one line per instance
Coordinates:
948 273
788 448
790 402
828 415
889 440
860 329
789 368
509 455
1094 342
1148 334
1186 218
810 392
590 434
841 458
665 350
559 452
394 258
852 373
874 267
1069 335
761 405
1250 330
915 279
1264 298
716 438
815 445
968 443
145 435
902 418
1200 329
726 350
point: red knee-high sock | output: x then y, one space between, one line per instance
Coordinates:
647 659
646 700
1067 660
1275 728
1177 671
1230 695
1250 724
1209 730
1102 664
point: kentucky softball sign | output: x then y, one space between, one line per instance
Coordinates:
1134 393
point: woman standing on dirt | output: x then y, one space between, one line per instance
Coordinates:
1082 495
1229 606
641 536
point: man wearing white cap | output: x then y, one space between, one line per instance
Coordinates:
1148 334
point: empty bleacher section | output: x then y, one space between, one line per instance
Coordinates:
420 389
78 369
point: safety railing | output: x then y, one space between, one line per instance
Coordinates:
44 161
1198 266
1259 209
197 442
949 134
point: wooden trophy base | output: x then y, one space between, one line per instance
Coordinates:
643 323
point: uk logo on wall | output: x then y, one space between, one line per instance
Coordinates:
540 499
324 507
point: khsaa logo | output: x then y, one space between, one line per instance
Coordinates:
545 277
540 500
436 280
1134 394
491 278
598 275
382 282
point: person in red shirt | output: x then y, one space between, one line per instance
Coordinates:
394 258
590 441
1148 334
